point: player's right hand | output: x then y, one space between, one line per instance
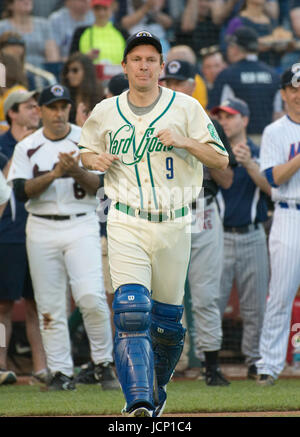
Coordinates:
58 170
103 161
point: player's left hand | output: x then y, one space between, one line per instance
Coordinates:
242 154
69 162
170 138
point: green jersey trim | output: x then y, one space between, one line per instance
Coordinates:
148 154
218 145
135 166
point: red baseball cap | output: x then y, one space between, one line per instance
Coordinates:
233 105
101 3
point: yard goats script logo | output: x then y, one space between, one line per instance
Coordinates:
118 145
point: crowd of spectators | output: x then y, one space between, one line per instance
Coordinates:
239 48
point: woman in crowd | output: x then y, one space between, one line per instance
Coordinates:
36 31
79 75
253 14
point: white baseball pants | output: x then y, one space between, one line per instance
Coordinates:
62 252
284 246
155 255
204 278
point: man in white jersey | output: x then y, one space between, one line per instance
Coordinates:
62 238
280 161
151 142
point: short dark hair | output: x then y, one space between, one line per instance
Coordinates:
14 108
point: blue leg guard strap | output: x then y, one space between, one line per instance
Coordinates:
167 335
133 349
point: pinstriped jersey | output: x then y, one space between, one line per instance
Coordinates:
149 175
280 143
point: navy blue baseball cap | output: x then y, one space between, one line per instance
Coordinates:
54 93
232 106
245 37
117 84
180 70
142 37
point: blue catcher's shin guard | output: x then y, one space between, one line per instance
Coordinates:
133 349
167 335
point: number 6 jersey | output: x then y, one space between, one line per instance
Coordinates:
37 155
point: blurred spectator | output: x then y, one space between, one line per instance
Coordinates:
175 9
150 15
116 86
15 80
65 21
224 10
250 80
79 75
36 31
293 55
13 44
186 53
212 64
102 42
253 15
21 112
43 8
197 28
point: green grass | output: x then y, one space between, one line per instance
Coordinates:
183 397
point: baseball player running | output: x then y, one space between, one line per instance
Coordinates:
151 142
280 161
62 237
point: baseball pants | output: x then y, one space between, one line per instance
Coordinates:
246 261
63 253
155 255
204 277
285 279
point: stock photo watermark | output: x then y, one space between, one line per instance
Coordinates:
2 75
2 335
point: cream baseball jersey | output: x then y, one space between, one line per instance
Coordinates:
37 155
280 143
149 175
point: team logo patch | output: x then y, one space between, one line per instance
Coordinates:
144 33
213 132
57 90
174 67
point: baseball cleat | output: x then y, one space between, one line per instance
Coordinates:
252 372
138 411
214 377
7 377
265 380
105 374
86 374
160 406
59 381
42 376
